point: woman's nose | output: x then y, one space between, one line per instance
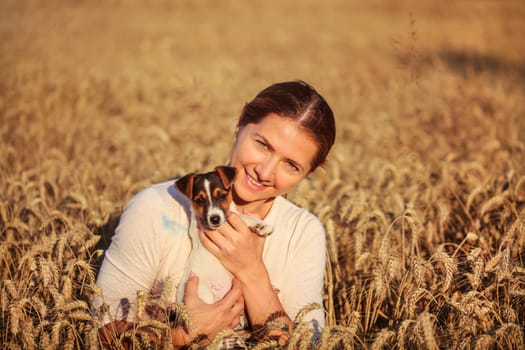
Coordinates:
265 170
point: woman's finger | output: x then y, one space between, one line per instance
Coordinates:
214 241
238 308
235 322
232 296
236 222
190 289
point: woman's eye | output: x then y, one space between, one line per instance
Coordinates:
293 167
262 144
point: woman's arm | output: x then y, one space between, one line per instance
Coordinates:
207 320
151 229
240 251
263 306
210 319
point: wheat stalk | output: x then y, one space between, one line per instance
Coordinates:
494 203
59 328
338 336
483 342
403 331
48 272
478 266
510 334
449 268
519 189
306 310
363 261
28 335
219 338
11 289
16 314
75 305
383 339
298 337
408 176
515 232
267 344
424 322
504 268
413 298
477 192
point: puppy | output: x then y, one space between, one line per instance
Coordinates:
210 196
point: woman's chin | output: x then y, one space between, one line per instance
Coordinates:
243 195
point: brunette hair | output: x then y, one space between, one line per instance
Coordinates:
299 101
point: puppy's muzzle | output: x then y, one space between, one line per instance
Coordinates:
215 220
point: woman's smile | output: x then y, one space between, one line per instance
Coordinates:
256 186
271 157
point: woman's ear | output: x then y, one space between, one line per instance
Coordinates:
237 129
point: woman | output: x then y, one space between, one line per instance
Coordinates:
282 135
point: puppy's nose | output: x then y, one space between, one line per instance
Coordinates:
215 219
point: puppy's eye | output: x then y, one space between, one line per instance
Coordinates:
222 196
200 201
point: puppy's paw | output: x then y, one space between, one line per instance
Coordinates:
260 229
257 226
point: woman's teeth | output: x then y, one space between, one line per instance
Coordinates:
253 182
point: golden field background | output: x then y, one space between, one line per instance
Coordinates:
423 197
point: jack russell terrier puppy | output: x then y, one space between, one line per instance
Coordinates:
210 196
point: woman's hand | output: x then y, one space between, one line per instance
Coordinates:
235 245
210 319
240 251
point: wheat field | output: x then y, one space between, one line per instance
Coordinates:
423 196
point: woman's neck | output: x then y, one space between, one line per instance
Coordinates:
257 208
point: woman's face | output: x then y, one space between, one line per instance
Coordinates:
271 157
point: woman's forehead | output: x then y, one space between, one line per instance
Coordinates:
287 137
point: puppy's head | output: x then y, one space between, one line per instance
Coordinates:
210 194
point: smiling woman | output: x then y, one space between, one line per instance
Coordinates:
283 135
272 156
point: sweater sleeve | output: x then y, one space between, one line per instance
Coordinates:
133 259
306 268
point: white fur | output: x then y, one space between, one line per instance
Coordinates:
207 267
214 280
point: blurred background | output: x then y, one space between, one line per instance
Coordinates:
140 66
99 99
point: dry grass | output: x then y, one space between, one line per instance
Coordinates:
423 198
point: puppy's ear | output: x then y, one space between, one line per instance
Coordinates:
227 174
185 184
